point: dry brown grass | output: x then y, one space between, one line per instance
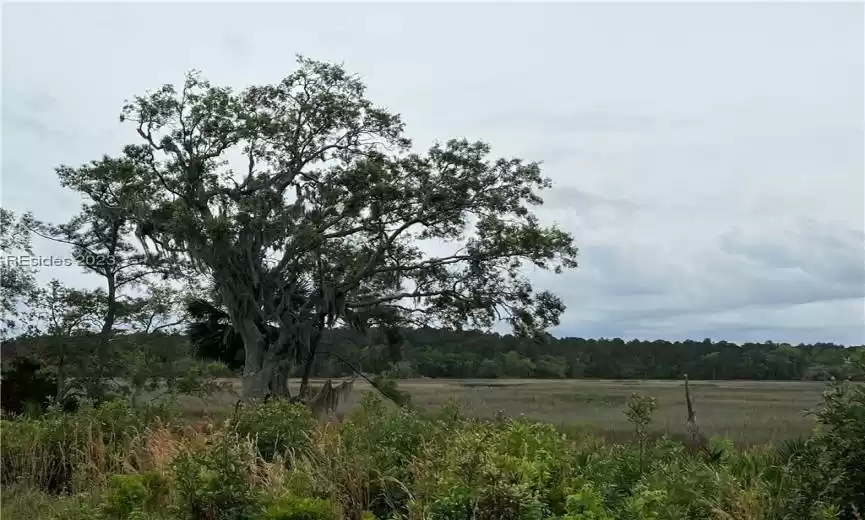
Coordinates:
747 411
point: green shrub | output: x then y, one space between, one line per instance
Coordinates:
842 439
673 487
639 412
379 444
20 502
389 388
650 504
586 504
131 495
119 420
386 462
454 504
277 427
507 469
126 494
802 479
76 507
215 482
503 501
300 509
498 501
391 437
38 453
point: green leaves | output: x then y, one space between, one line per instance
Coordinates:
17 281
58 310
639 413
307 179
277 427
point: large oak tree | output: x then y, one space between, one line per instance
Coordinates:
305 203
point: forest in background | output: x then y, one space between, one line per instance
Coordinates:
441 353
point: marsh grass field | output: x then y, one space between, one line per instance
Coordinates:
749 412
208 459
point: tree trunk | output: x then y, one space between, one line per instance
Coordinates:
310 359
307 369
256 377
279 379
270 379
111 313
266 367
61 374
264 372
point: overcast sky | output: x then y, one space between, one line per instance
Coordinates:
707 157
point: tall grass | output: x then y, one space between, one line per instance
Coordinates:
272 461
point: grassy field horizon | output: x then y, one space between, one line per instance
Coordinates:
747 411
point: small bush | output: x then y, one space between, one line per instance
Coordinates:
215 481
389 388
508 502
277 427
454 504
842 439
131 495
391 437
300 509
77 507
586 504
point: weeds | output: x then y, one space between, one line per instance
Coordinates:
639 413
386 462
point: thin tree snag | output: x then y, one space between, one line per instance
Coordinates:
696 440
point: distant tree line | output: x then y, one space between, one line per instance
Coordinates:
430 352
440 353
449 354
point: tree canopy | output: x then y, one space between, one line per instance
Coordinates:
308 207
17 282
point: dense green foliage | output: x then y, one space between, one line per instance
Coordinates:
127 366
431 352
121 463
26 386
324 223
470 354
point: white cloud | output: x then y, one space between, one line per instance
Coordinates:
707 157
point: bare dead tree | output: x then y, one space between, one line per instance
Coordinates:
696 441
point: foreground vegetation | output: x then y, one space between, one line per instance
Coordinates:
274 461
